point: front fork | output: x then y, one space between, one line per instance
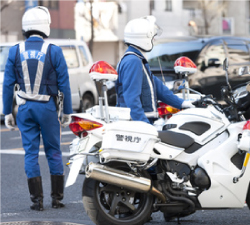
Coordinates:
236 179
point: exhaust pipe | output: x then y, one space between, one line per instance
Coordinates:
120 178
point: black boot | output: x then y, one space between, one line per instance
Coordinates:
57 185
36 193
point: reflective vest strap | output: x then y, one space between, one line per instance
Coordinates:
44 47
127 53
39 72
151 88
28 94
22 47
26 77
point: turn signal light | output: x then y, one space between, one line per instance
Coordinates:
166 110
247 125
80 126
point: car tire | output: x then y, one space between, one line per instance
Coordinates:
86 102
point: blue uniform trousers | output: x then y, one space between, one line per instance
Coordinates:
35 118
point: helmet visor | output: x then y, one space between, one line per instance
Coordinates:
157 30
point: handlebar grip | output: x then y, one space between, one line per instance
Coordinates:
199 104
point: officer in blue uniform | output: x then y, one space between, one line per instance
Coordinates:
136 86
40 72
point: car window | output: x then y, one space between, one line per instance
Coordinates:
238 54
84 56
4 52
167 53
70 56
212 55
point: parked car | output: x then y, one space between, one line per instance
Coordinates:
79 61
208 54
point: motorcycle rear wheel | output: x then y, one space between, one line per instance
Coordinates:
107 204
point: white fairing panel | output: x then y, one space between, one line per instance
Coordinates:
221 171
216 120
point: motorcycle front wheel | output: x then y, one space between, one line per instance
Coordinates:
107 204
248 197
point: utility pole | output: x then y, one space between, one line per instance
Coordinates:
91 41
5 4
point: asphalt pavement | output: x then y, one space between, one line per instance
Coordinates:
15 199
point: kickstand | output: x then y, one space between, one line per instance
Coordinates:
178 220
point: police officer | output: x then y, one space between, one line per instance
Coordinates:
40 71
136 86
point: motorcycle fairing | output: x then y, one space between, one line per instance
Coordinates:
213 117
192 158
196 127
219 167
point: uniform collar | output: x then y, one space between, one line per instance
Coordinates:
137 51
35 38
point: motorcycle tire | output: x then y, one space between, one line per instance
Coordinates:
107 204
248 197
172 216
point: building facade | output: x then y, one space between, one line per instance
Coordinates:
62 17
72 19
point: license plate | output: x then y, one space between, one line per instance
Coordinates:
82 144
78 145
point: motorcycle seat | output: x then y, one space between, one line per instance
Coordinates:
175 139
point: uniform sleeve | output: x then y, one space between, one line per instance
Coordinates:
131 72
9 81
165 95
61 68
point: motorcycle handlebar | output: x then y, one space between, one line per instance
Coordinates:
205 101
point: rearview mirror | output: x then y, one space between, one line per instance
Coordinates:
243 70
225 64
214 62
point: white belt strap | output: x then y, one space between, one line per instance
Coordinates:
34 97
152 114
40 56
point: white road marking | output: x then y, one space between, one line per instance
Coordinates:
62 134
21 152
9 214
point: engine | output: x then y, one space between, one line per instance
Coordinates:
197 177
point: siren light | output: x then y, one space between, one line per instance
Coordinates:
184 65
102 70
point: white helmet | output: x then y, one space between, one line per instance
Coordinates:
36 20
140 32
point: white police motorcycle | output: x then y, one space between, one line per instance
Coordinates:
198 160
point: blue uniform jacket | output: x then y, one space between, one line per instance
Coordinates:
130 85
55 65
